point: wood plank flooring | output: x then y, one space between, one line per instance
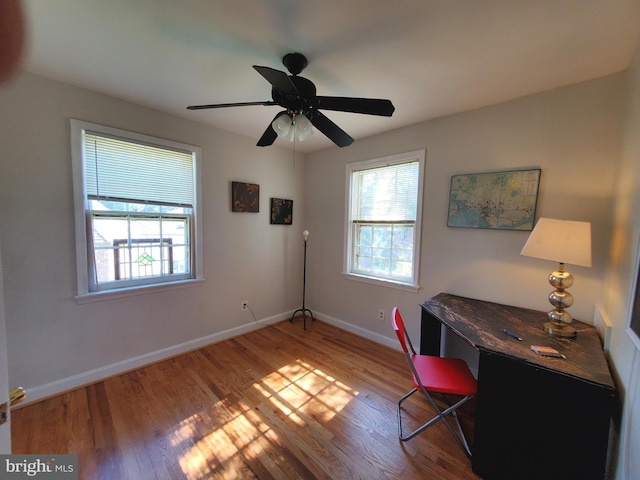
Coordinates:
277 403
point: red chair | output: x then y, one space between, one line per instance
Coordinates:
443 376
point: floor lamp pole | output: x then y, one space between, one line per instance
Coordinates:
305 236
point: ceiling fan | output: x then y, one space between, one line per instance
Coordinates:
297 96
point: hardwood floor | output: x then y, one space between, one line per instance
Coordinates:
277 403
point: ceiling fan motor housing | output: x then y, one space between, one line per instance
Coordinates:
305 100
295 62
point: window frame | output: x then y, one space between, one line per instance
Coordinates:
413 284
82 211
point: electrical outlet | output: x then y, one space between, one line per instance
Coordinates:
244 306
381 314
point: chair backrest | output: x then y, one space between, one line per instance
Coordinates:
401 332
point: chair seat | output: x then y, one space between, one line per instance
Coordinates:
444 375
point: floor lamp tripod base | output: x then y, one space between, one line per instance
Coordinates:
304 316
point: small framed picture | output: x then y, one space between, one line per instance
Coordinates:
281 211
245 197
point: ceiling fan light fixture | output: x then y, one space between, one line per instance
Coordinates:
303 127
282 125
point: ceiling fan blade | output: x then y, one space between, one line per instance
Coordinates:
279 80
368 106
330 129
225 105
269 136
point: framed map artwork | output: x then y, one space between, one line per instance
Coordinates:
498 200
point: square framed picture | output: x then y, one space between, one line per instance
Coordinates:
245 197
281 211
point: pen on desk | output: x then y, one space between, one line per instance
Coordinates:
511 334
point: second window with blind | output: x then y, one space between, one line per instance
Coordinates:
384 198
136 209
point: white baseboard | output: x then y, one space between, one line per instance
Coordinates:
41 392
374 337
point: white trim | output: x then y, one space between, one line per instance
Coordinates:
416 155
368 334
80 209
630 401
41 392
103 295
635 286
407 287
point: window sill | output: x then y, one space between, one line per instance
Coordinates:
133 291
407 287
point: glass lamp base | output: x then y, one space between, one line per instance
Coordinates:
560 330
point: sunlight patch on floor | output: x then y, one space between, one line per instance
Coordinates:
245 436
300 386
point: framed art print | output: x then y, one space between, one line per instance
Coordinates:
245 197
499 200
281 211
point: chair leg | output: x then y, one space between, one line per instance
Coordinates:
462 436
441 415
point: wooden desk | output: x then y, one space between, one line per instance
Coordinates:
536 417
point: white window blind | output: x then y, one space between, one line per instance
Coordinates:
122 170
387 194
382 235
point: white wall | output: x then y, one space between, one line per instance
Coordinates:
54 343
618 294
572 134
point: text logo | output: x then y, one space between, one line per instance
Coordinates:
50 467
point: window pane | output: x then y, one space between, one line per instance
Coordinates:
401 269
134 246
391 254
142 228
403 237
365 235
382 236
380 265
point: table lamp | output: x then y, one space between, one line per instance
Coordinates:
562 241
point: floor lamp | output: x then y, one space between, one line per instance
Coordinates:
305 235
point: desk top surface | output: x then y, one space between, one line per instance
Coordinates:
480 324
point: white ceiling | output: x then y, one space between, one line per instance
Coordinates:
429 57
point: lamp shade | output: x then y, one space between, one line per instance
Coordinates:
562 241
303 127
289 124
282 125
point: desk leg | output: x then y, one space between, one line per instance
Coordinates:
430 334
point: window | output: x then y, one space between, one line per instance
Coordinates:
136 208
383 219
